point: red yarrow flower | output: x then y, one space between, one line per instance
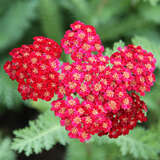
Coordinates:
35 67
95 94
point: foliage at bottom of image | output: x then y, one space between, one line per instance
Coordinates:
46 131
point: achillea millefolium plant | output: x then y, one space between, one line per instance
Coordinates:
96 94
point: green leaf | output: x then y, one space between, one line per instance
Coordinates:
13 28
41 134
148 45
150 13
152 2
139 143
5 152
39 105
93 151
82 151
109 52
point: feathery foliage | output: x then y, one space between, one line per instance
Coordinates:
94 152
140 143
42 133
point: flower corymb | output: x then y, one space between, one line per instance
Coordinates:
105 105
139 65
96 94
81 41
35 67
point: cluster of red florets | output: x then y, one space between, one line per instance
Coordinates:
81 41
81 119
106 105
139 64
96 94
125 120
35 67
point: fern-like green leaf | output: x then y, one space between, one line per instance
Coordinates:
13 28
93 151
5 152
140 143
42 133
149 46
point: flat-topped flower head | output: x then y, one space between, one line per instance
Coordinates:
95 94
127 119
81 120
35 68
81 40
139 66
108 102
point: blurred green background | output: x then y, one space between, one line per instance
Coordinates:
131 21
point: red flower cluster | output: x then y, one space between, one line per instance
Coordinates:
96 94
110 108
88 118
35 67
81 41
139 65
81 119
126 120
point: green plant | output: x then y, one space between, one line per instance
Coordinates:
133 21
